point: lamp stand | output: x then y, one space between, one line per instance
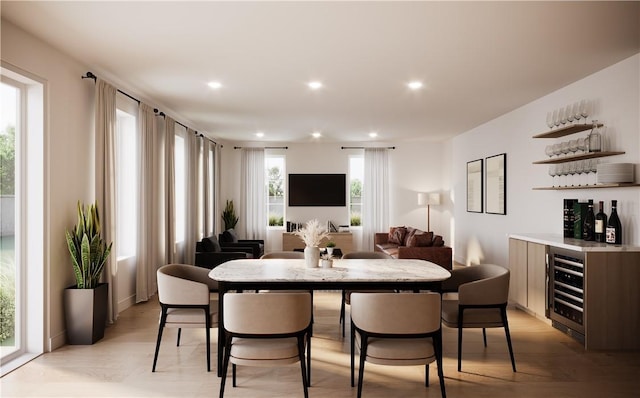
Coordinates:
428 218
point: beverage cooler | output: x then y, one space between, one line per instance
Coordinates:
566 291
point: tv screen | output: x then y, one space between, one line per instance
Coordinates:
317 190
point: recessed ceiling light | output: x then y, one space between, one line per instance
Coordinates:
373 134
415 85
314 85
214 85
260 134
316 134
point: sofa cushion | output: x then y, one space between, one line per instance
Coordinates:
392 251
410 232
396 235
210 244
438 241
229 236
423 239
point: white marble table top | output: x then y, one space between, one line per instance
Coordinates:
347 270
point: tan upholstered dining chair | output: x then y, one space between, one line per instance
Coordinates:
396 329
267 330
292 255
346 294
185 302
482 294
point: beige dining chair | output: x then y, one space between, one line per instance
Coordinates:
397 329
482 294
346 294
292 254
184 292
267 330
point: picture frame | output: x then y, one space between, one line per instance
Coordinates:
475 188
496 184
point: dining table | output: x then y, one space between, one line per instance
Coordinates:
345 274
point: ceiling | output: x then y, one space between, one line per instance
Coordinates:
477 60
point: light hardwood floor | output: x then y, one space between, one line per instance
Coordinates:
549 363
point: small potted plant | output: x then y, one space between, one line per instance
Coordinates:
85 303
327 261
330 246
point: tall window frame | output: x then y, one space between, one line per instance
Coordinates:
356 185
30 263
275 172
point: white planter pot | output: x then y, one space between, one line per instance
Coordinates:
311 256
330 251
326 263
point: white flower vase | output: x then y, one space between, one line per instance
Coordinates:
330 251
312 256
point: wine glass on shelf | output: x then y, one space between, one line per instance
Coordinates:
553 172
548 150
557 149
575 109
585 109
565 148
561 171
550 119
563 116
569 114
556 117
580 169
573 146
593 169
571 170
582 145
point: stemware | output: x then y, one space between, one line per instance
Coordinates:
579 170
569 114
573 146
585 109
548 150
563 115
553 172
575 109
556 117
565 147
557 149
550 123
582 145
593 169
571 170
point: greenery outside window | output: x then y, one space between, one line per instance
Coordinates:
356 177
275 172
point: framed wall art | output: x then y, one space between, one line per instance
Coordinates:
474 186
496 183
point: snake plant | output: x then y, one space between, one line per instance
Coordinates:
88 252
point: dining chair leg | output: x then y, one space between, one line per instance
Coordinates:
178 339
301 358
163 320
484 336
207 325
353 346
460 312
503 311
225 367
426 375
342 311
363 355
438 349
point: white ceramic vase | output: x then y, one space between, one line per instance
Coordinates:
312 256
330 251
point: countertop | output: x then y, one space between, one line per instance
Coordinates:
557 240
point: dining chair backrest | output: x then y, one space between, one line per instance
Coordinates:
482 284
396 313
273 313
184 284
292 254
367 255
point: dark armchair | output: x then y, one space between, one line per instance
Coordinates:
229 239
209 253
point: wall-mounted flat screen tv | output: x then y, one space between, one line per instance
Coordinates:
317 190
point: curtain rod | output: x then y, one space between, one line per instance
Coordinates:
362 147
266 147
90 75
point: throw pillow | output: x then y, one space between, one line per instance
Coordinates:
396 235
438 241
229 236
210 244
410 232
420 240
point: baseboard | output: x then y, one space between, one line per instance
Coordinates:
126 303
58 340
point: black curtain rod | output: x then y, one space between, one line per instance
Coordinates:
362 147
266 147
90 75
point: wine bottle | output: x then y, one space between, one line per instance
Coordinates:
601 224
614 228
588 225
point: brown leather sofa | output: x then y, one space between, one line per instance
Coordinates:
407 242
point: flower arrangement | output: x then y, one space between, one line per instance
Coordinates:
312 234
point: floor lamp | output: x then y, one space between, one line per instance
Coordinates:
428 199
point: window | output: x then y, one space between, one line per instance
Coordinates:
21 217
274 165
180 185
126 181
356 176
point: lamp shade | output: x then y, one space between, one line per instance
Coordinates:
422 199
433 198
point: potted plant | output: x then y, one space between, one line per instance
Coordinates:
86 302
229 216
330 246
312 234
327 260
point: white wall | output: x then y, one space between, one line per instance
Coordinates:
414 167
69 157
483 237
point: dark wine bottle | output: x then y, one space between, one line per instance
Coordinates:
601 224
588 225
614 228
